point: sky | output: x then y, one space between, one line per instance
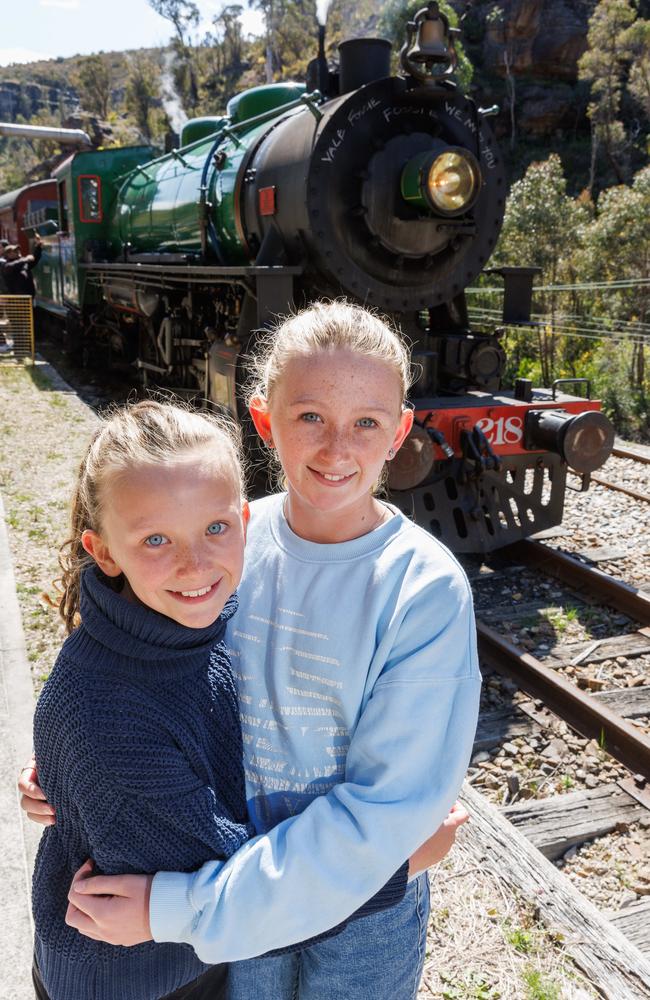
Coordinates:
45 29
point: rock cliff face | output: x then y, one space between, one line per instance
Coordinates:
542 38
533 48
27 99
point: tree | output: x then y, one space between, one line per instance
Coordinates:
290 37
271 11
541 227
497 20
603 65
225 52
184 15
637 39
616 246
142 89
93 80
229 30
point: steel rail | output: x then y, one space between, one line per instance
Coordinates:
636 456
630 601
621 489
582 712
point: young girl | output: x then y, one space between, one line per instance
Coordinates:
355 656
137 732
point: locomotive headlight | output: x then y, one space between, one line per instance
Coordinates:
453 182
447 183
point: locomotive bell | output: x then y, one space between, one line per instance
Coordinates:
430 44
428 38
584 440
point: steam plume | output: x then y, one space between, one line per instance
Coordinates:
322 7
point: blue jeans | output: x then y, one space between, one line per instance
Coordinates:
379 957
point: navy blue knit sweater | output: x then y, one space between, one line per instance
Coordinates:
139 750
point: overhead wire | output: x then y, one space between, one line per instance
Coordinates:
585 286
572 324
560 328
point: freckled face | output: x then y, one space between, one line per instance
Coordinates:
177 533
333 418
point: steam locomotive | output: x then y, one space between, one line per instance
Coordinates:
388 189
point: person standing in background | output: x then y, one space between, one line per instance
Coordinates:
16 269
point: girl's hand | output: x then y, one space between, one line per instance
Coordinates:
438 846
110 908
32 799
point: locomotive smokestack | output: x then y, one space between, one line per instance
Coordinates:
318 74
362 61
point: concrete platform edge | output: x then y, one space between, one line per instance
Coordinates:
18 835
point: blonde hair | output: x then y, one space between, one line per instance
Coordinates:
145 433
327 326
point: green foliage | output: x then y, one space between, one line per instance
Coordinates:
289 40
637 38
223 59
609 367
539 986
539 229
21 159
595 332
142 90
521 940
540 220
94 81
184 15
472 986
614 42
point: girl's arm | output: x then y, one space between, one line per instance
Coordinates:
123 919
404 768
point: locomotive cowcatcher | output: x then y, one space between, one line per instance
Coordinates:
388 189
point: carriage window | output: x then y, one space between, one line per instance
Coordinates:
90 198
63 206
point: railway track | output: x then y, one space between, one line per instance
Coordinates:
635 494
636 456
592 718
630 455
608 719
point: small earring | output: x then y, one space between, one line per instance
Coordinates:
391 453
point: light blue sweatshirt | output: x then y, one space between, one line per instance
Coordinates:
359 686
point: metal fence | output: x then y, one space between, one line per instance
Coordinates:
16 327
